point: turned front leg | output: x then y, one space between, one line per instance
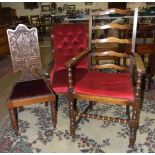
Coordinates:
14 119
54 113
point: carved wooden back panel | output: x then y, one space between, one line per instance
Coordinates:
24 49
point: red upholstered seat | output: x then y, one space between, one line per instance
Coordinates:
29 89
60 79
69 40
101 87
105 84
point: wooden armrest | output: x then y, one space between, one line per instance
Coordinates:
75 59
139 63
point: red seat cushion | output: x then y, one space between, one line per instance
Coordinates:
117 85
31 88
60 79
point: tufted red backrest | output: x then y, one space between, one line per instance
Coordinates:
68 41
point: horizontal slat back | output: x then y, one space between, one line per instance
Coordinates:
111 66
112 26
111 11
111 53
110 57
111 40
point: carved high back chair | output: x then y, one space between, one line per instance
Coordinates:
68 40
31 89
107 87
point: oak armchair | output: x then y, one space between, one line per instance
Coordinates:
104 87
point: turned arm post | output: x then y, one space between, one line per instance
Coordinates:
140 72
70 80
138 85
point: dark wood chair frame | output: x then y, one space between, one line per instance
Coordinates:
28 62
35 21
146 31
132 121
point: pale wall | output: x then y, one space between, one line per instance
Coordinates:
19 6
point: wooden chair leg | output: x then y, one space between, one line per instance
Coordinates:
54 113
128 111
133 124
75 106
21 108
92 103
46 104
14 119
150 71
72 118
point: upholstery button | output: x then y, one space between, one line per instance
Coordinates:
70 34
60 34
65 40
79 33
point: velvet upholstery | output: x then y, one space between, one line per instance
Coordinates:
103 86
69 40
31 88
60 79
106 84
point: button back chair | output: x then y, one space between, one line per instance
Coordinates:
31 89
114 88
68 41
